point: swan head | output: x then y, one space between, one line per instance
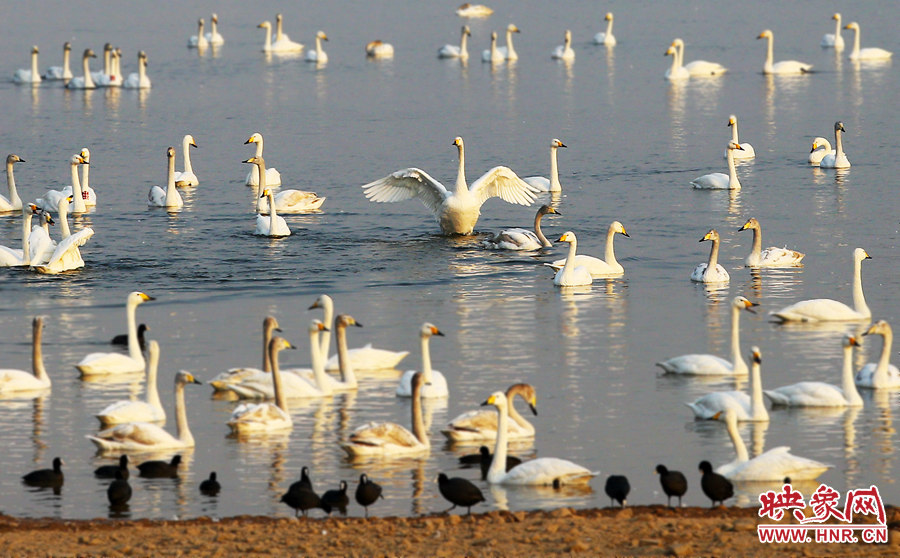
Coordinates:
568 36
820 142
344 320
705 467
429 329
852 25
755 355
609 16
732 120
324 301
732 145
88 53
497 399
67 46
34 49
278 17
466 31
321 35
849 341
190 140
742 303
511 28
545 209
316 326
527 391
255 161
137 297
493 36
881 327
712 236
255 138
836 16
567 236
767 34
729 416
670 51
859 255
265 25
182 378
839 126
458 142
170 152
214 18
751 223
618 227
13 158
677 42
266 193
77 159
269 324
47 217
278 344
200 23
86 155
557 143
142 57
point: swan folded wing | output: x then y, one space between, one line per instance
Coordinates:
19 380
10 256
698 364
232 376
807 394
405 184
502 182
773 255
51 198
262 413
41 246
476 421
515 239
134 434
548 471
707 406
289 198
818 310
130 411
383 434
776 464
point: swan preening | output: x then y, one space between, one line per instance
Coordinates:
607 267
834 40
435 385
825 309
187 178
14 202
14 382
379 49
453 51
199 40
281 46
523 239
139 79
157 197
820 394
697 68
265 417
836 159
572 274
117 363
785 66
771 256
481 424
473 10
564 51
150 410
318 55
820 148
718 180
870 53
235 375
747 407
746 150
711 271
551 184
457 211
606 37
56 73
706 365
882 374
26 75
84 81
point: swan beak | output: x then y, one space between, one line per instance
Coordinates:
761 35
533 408
250 160
147 297
70 199
314 305
489 401
278 329
20 160
868 257
814 147
852 341
717 415
625 233
50 220
357 324
561 144
192 144
436 331
290 345
757 358
749 306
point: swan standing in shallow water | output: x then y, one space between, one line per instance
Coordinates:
84 81
564 51
187 178
834 40
235 375
870 53
283 46
543 471
379 49
551 184
318 55
748 408
481 424
719 180
157 197
771 256
711 271
16 381
198 41
453 51
435 383
139 80
14 202
608 267
457 211
571 274
820 394
522 239
820 148
273 177
837 159
117 363
24 75
698 68
882 374
265 417
150 410
606 37
676 71
56 73
213 37
825 309
746 151
785 66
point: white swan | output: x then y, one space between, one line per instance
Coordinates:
88 194
509 51
318 55
571 274
870 53
834 40
564 51
66 255
25 75
492 54
785 66
265 417
170 197
820 394
41 246
285 46
150 410
51 198
820 148
771 256
286 201
551 184
481 424
56 73
14 257
711 271
102 77
14 202
836 159
453 51
388 439
436 384
273 177
16 381
676 72
773 465
148 437
747 407
473 10
746 151
883 374
198 41
606 37
272 225
236 375
117 363
547 471
457 211
348 381
187 178
719 180
115 78
379 49
213 37
698 68
523 239
711 365
825 309
139 80
607 267
280 35
84 81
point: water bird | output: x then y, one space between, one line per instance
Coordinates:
234 375
564 51
771 256
170 197
711 271
367 492
283 46
820 148
673 483
117 363
47 478
785 66
14 381
301 498
122 338
834 40
837 159
820 394
335 499
882 374
698 68
481 424
318 55
139 79
606 37
746 151
52 198
453 51
65 255
274 225
459 492
484 458
617 488
84 81
675 72
572 274
551 184
112 471
56 73
210 486
379 49
119 491
273 177
870 53
473 10
607 267
198 41
25 75
434 382
14 202
716 487
747 407
150 410
523 239
492 54
214 38
251 418
156 469
826 309
187 177
720 180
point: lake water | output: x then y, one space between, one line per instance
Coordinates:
635 142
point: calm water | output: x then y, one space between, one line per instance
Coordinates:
635 141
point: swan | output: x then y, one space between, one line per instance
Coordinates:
785 66
234 375
540 471
606 37
66 255
508 51
552 184
820 394
773 465
453 51
274 225
834 40
12 257
837 159
280 35
564 51
117 363
870 53
52 198
748 408
711 365
711 271
24 75
473 10
436 384
883 374
698 68
150 410
718 180
265 417
319 56
286 201
88 194
148 437
115 76
676 72
41 246
771 256
820 148
101 77
388 439
213 37
282 46
56 73
571 274
481 424
199 40
273 177
746 151
608 267
522 239
14 202
825 309
139 80
379 49
157 197
492 55
187 178
457 211
15 381
348 380
84 81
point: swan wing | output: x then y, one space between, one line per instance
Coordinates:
263 414
548 471
130 411
136 434
541 183
775 257
807 394
66 256
707 406
290 198
475 421
383 434
19 380
865 377
368 357
515 239
501 182
11 256
818 310
776 464
697 364
156 197
109 363
405 184
232 376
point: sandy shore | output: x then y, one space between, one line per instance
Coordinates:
645 531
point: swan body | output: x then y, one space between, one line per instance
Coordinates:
882 374
820 148
84 81
66 255
711 365
676 71
157 197
32 75
318 55
273 177
435 383
834 40
564 51
771 256
609 266
41 246
379 49
473 10
825 309
453 51
56 73
213 37
509 51
572 274
785 66
457 211
551 184
820 394
199 40
274 225
117 363
481 424
17 381
236 375
52 198
187 178
150 410
746 151
283 46
522 239
348 380
718 180
606 37
14 202
748 408
870 53
836 159
265 417
139 80
493 55
13 257
698 68
292 201
711 271
148 437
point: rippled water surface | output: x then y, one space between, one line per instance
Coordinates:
635 141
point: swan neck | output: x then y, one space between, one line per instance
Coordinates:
461 185
837 29
267 336
34 65
540 234
152 375
328 318
66 70
63 211
838 143
426 358
856 33
418 421
498 465
280 397
739 448
170 180
26 232
714 259
733 182
106 58
770 55
757 403
273 223
851 394
261 170
86 67
880 377
463 51
181 422
278 23
859 299
676 64
77 192
267 46
554 171
514 414
11 183
510 50
609 26
37 353
740 367
610 255
734 133
318 363
757 243
348 376
85 178
318 48
134 348
570 258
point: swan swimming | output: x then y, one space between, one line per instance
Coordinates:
711 271
834 40
379 49
719 180
870 53
572 274
481 424
198 41
882 374
473 10
66 255
837 159
274 225
348 381
826 309
117 363
283 46
235 375
13 257
746 151
14 382
150 410
676 72
606 37
286 201
820 394
453 51
551 184
169 198
273 177
435 383
265 417
748 408
523 239
213 37
318 55
785 66
139 80
14 202
51 198
771 256
187 178
56 73
24 75
698 68
607 267
102 78
492 54
820 148
564 51
84 81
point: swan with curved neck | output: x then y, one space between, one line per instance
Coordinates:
14 202
837 159
834 40
826 309
572 274
783 67
29 76
698 68
882 374
16 381
273 177
492 54
453 51
676 71
820 394
265 417
564 51
771 256
481 424
820 148
606 37
750 408
718 180
117 363
436 384
870 53
150 410
711 271
56 73
235 375
607 267
552 184
707 365
169 198
746 151
318 55
523 239
187 178
198 41
139 80
84 81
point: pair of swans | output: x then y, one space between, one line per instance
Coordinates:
274 225
697 68
150 410
820 394
834 40
606 37
318 55
26 75
836 159
718 180
187 177
784 67
482 424
110 75
826 309
13 202
711 271
235 375
214 38
711 365
286 201
607 267
750 407
453 51
497 54
523 239
571 274
379 49
564 51
15 382
870 53
457 211
82 194
771 256
57 73
435 382
282 44
473 10
170 197
265 417
117 363
199 41
746 151
543 183
139 79
882 374
84 81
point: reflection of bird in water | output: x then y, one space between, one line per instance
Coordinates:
459 492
